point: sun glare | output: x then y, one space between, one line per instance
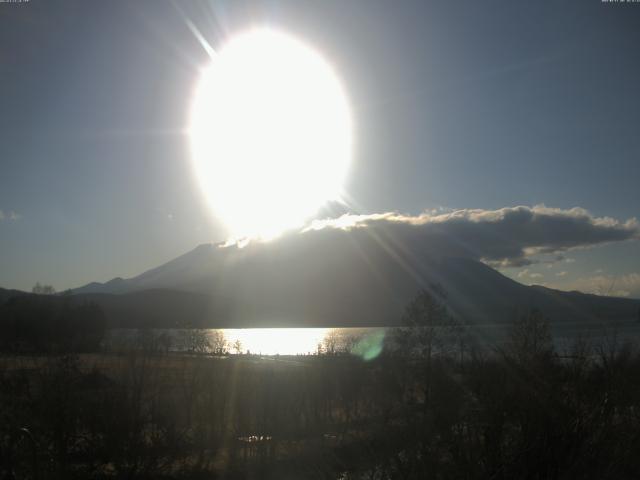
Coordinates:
271 133
276 341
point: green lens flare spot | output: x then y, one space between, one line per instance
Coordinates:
370 346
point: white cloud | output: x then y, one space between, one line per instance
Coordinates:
526 273
9 215
507 237
562 273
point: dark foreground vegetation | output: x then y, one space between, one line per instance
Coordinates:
420 411
50 324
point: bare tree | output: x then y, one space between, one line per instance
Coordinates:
530 337
218 342
43 289
428 318
195 340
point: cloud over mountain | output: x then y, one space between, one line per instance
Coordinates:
9 215
509 236
363 269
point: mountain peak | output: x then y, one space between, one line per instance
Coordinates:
340 282
204 246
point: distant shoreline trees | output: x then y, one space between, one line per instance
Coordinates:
50 323
39 289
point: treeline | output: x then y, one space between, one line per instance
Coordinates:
520 411
47 323
433 406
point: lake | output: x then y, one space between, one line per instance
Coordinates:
306 341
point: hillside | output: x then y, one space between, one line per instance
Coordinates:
328 283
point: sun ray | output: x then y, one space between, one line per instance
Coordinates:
270 133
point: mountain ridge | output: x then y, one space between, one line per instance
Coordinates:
345 284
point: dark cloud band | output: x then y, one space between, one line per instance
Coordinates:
507 237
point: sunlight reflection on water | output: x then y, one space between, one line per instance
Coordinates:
361 341
366 343
276 341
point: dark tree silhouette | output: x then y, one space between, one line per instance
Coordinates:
428 319
39 289
48 323
530 337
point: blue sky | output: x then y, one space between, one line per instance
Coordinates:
457 105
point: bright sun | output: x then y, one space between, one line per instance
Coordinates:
271 133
